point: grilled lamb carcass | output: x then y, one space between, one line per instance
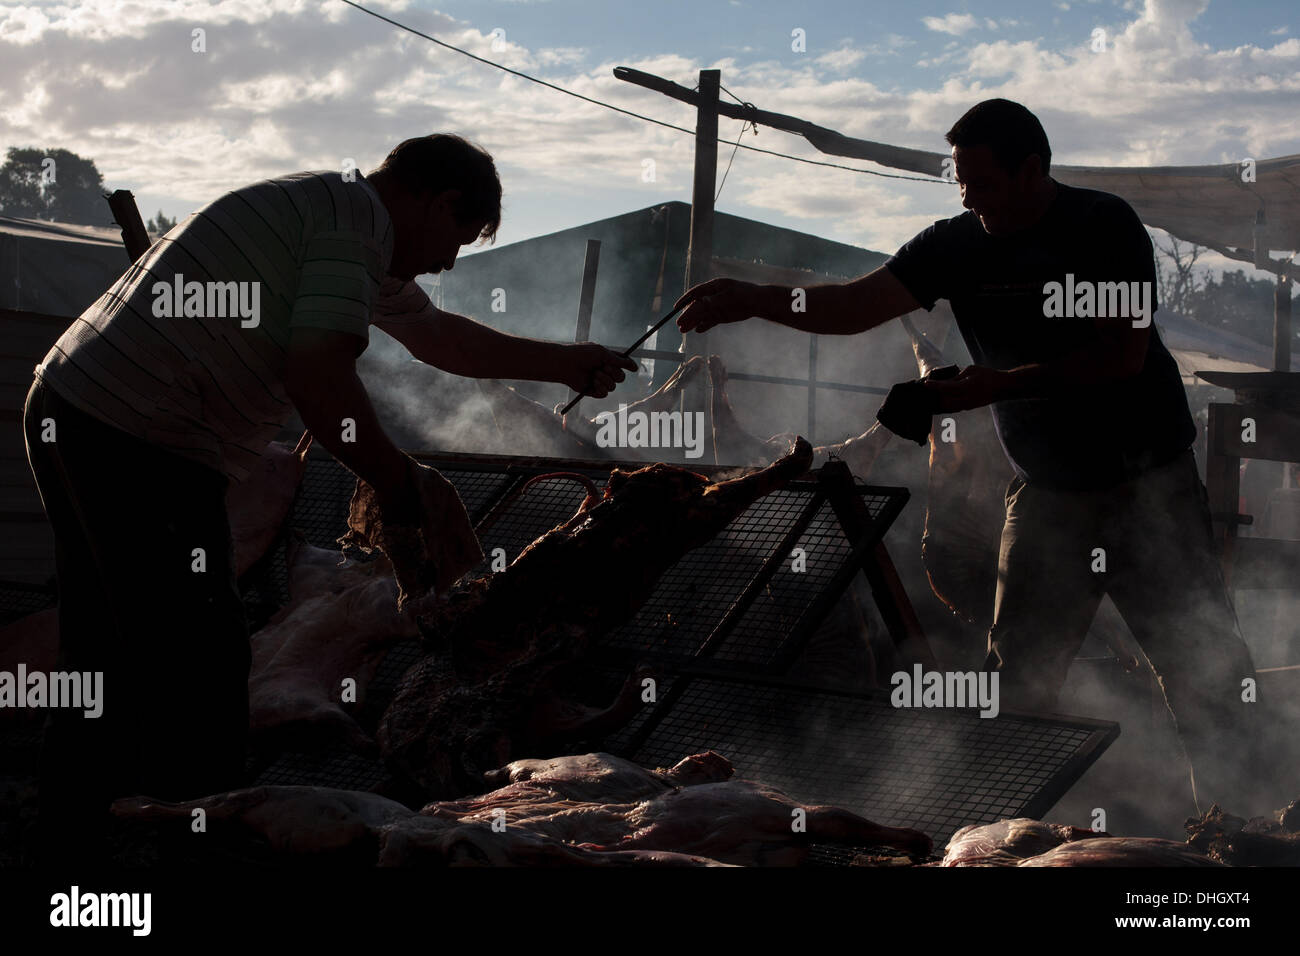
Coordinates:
666 398
312 825
258 506
502 645
732 445
603 803
1259 841
295 688
1122 851
1010 842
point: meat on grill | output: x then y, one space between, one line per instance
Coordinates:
339 623
965 503
1122 851
733 445
530 427
666 398
258 505
504 646
319 824
603 803
1009 842
1259 841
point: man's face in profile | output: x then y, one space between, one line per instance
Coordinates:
987 189
429 237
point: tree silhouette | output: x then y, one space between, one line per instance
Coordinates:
160 225
54 184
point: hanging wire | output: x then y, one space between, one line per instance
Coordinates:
634 115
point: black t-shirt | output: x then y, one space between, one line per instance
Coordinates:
1089 439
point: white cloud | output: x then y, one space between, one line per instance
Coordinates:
1280 31
841 59
953 23
287 85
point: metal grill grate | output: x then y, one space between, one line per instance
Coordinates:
693 598
17 600
933 770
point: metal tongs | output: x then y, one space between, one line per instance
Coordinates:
632 348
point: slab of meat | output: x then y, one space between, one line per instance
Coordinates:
594 778
1122 851
314 824
502 646
259 505
965 503
1260 841
301 660
601 802
1008 842
529 427
733 445
667 398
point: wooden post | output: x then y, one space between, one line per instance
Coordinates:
812 389
134 236
1282 323
590 262
699 255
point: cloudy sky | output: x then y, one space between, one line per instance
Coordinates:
286 85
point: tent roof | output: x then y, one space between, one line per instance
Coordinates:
1207 205
59 231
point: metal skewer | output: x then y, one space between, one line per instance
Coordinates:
632 348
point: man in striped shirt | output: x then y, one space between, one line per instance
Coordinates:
172 384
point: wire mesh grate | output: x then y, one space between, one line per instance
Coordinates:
691 599
17 600
932 770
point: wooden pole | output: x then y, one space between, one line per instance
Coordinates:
1282 324
590 263
812 389
699 254
125 214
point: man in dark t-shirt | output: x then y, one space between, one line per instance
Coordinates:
1053 289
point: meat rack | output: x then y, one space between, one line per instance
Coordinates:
723 630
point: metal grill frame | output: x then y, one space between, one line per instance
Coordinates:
887 503
637 743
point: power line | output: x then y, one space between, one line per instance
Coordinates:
619 109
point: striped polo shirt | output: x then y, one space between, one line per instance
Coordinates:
171 353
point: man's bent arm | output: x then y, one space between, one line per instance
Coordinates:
1119 354
321 380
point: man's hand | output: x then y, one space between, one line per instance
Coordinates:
591 369
973 387
719 301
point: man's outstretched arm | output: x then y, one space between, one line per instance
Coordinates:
462 346
835 309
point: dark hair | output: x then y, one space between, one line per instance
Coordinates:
445 161
1010 130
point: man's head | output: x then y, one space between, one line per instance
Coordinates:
442 192
1002 159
